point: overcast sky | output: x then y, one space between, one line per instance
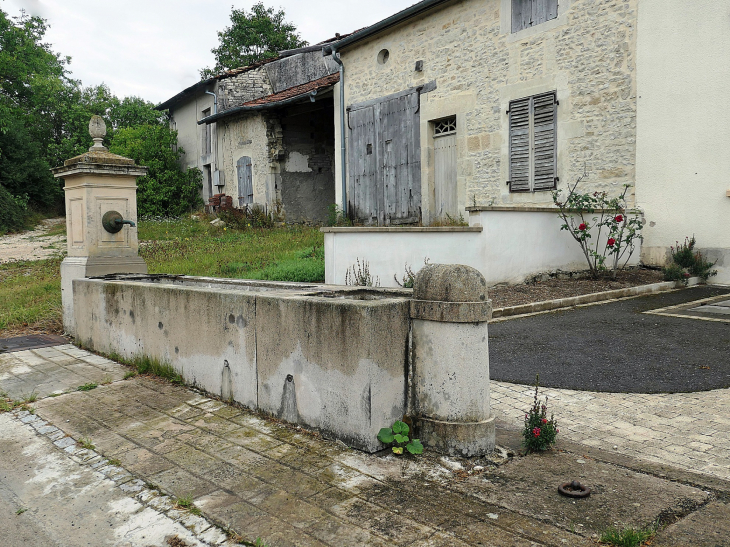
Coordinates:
154 48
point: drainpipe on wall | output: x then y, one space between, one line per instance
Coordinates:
216 179
343 166
215 101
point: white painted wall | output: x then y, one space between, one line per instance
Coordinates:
511 246
683 127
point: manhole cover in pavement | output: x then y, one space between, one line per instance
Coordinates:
20 343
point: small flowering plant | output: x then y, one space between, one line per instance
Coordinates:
540 432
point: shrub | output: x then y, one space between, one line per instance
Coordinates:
13 212
409 278
612 220
539 433
686 261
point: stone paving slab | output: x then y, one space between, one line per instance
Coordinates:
47 498
261 478
45 371
686 430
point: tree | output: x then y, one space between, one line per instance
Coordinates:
253 36
166 190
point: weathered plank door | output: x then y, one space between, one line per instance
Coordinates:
446 192
385 161
245 181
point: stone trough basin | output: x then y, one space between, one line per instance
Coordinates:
331 358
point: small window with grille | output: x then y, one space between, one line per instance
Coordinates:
444 127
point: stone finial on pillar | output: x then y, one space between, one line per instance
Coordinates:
98 183
449 312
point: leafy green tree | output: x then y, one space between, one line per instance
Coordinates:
253 36
166 190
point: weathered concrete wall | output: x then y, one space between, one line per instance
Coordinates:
509 246
345 348
207 336
307 169
587 55
334 364
683 141
299 69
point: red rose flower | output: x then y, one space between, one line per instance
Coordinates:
582 227
611 242
544 420
536 432
619 218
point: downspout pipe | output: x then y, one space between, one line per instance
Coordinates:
215 101
343 155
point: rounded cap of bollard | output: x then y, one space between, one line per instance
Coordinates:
450 283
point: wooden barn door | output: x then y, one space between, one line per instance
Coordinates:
245 181
444 147
385 161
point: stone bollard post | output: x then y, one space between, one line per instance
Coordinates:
450 370
98 183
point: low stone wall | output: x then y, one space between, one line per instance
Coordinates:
333 359
507 245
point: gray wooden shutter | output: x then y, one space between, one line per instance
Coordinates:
521 14
245 181
362 174
544 150
519 145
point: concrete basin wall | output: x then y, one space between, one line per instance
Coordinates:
332 359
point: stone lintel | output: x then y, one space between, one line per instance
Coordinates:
451 312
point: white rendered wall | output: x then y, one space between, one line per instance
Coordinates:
511 246
683 127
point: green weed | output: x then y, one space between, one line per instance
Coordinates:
21 510
86 443
627 537
129 374
87 387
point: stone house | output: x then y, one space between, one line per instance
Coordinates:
264 134
482 108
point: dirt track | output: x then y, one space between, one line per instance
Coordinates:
33 244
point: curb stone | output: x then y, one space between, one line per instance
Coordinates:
204 531
628 292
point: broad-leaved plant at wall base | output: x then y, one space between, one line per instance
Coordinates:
606 232
540 432
397 435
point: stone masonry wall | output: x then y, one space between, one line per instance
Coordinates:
245 136
244 87
587 55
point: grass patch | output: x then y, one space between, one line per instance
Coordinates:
32 398
627 537
114 462
21 510
106 380
30 291
186 502
148 365
87 387
30 296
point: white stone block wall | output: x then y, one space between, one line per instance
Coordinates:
587 55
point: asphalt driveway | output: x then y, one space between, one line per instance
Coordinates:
616 347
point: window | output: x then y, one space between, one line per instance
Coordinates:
528 13
532 143
206 134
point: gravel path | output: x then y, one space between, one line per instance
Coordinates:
33 244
